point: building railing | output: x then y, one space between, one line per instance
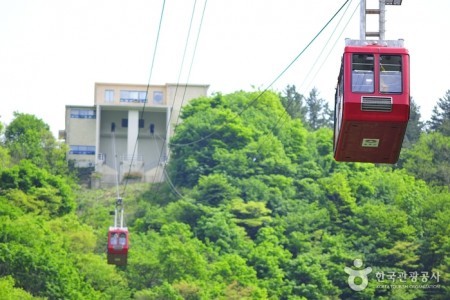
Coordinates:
101 157
130 157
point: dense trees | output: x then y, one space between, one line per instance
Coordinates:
35 190
261 211
325 214
312 110
440 118
294 104
28 137
415 125
429 159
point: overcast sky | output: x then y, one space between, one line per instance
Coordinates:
53 51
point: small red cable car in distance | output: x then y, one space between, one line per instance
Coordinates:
372 102
118 246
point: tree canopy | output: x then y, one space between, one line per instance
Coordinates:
257 208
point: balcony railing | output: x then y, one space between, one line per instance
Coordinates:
129 157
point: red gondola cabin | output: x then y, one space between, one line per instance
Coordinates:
118 246
372 102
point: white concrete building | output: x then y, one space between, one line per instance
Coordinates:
128 129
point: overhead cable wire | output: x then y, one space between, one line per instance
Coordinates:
272 82
164 173
192 60
283 116
331 48
172 186
281 119
180 72
185 88
185 51
148 87
115 161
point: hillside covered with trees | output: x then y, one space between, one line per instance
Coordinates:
254 207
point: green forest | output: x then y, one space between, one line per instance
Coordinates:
254 206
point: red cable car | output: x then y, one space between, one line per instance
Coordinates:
118 246
372 102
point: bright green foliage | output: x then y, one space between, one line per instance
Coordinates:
270 260
9 292
436 242
440 118
329 213
35 190
37 259
261 211
220 229
318 113
415 126
294 104
214 190
339 199
228 136
164 291
5 158
179 255
198 158
383 226
28 137
251 215
429 159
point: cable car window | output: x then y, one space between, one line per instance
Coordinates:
114 239
390 74
362 73
122 239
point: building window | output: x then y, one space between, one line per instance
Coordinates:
133 96
142 96
158 97
82 113
125 123
82 150
109 95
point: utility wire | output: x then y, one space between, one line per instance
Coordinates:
164 173
283 116
179 76
148 87
273 81
173 188
260 94
185 89
330 49
115 161
185 51
192 60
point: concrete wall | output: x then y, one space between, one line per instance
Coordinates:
163 102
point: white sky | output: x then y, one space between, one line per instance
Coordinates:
53 51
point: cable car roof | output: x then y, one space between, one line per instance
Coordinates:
122 229
383 43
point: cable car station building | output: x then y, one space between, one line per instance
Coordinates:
128 129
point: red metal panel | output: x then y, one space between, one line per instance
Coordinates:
375 142
372 136
118 241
